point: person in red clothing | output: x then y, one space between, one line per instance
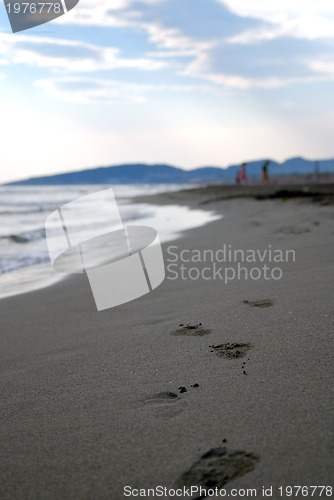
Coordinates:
243 174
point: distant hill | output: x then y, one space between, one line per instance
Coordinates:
166 174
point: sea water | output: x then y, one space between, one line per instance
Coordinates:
24 258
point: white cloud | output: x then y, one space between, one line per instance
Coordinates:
79 56
170 44
81 90
119 14
310 19
301 18
305 19
102 13
324 67
278 11
91 90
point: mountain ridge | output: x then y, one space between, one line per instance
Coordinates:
142 173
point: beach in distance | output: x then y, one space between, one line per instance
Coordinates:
221 378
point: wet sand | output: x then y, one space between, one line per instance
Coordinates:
197 383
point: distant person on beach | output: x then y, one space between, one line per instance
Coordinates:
237 177
265 175
243 174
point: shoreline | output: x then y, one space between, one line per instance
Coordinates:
41 275
94 402
205 195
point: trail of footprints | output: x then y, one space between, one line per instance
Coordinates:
219 465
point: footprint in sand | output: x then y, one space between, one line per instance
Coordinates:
293 230
165 404
231 351
191 330
259 303
216 468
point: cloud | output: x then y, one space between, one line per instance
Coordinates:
279 11
201 20
275 63
83 90
69 55
323 67
175 29
91 90
234 44
104 14
308 19
243 45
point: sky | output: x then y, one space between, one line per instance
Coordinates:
186 82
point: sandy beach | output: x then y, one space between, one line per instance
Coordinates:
201 382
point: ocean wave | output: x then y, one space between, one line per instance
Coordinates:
26 236
12 264
18 210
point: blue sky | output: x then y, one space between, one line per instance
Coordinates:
187 82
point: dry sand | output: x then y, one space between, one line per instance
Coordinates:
240 395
